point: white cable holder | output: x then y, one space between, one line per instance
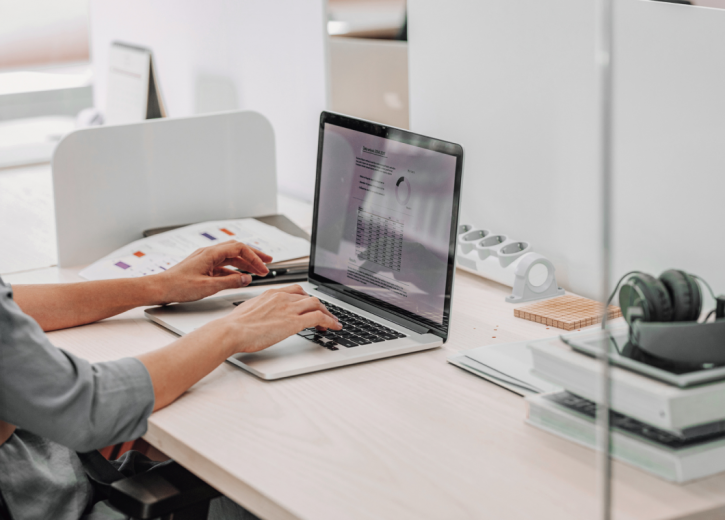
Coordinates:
507 261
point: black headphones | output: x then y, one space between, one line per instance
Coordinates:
674 296
662 314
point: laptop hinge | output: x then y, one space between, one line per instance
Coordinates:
408 324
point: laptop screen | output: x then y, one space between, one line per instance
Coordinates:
385 212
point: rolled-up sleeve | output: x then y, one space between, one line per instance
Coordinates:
62 397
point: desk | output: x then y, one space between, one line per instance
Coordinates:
410 437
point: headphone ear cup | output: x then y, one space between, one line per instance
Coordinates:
684 293
659 305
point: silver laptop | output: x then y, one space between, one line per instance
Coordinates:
382 255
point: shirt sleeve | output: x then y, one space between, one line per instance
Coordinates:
66 399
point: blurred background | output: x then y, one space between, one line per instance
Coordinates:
48 72
35 33
46 75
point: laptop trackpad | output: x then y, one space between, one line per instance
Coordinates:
287 354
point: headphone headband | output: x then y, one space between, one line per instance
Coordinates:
662 315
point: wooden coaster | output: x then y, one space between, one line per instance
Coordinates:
566 312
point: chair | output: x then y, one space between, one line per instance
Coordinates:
168 491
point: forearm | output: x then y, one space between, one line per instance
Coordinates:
178 366
202 274
59 306
259 323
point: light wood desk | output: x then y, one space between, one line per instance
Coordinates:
403 438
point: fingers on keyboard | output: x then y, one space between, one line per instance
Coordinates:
356 331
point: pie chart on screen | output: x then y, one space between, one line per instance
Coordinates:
402 190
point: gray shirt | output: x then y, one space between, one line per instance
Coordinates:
61 404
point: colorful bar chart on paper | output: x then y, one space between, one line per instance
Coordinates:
160 252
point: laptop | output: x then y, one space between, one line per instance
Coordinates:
382 255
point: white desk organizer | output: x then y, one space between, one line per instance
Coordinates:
507 261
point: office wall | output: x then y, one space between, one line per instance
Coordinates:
514 82
670 129
221 55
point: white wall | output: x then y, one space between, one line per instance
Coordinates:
514 82
223 54
670 147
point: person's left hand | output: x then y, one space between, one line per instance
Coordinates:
203 272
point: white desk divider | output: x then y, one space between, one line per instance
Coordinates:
669 128
514 83
112 183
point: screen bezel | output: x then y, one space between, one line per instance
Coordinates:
406 137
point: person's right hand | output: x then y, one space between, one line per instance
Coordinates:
203 272
275 315
253 326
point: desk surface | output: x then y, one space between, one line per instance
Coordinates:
406 437
410 437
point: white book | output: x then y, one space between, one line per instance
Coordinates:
648 400
656 453
133 92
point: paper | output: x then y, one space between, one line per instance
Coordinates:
160 252
485 372
128 84
133 92
507 364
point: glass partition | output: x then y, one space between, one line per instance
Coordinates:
660 167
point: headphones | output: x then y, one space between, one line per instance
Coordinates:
662 314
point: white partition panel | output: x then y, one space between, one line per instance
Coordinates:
224 55
112 183
670 128
514 82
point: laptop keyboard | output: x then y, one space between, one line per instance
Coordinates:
356 330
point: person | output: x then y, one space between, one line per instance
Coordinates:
54 404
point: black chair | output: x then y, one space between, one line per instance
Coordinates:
168 491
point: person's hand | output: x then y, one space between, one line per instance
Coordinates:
275 315
203 272
254 325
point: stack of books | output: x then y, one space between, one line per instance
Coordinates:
675 433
